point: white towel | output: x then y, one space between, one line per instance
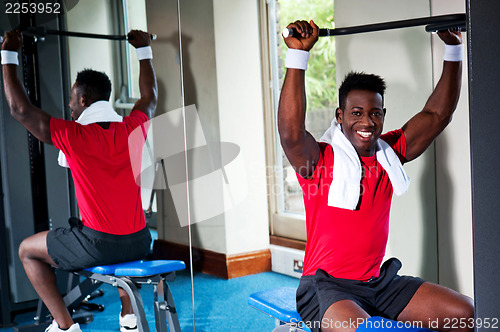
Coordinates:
347 171
100 111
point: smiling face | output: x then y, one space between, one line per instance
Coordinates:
362 120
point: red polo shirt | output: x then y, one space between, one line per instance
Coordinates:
108 197
349 244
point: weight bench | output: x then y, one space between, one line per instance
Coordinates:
280 304
126 275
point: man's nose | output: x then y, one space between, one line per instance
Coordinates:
366 120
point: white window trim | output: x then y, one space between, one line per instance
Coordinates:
280 223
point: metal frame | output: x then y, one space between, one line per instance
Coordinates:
164 307
484 70
432 23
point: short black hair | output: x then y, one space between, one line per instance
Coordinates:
360 81
94 85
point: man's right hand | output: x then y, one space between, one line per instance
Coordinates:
13 41
138 38
308 35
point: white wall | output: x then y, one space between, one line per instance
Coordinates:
92 16
453 178
222 78
241 116
162 20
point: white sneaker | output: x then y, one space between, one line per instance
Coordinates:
54 327
128 323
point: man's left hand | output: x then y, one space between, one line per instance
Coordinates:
451 36
138 38
13 41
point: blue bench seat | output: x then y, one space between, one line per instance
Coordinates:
126 276
280 304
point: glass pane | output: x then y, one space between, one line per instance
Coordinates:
321 87
135 18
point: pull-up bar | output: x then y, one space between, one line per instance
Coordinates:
41 32
434 23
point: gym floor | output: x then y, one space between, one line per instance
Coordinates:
220 305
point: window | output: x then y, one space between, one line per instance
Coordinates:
288 215
134 18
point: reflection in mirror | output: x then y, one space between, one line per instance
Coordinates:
58 70
165 132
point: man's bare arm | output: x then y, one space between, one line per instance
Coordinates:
299 145
421 130
147 78
31 117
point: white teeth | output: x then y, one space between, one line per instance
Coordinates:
365 134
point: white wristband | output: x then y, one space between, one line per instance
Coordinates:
144 53
9 57
453 52
296 59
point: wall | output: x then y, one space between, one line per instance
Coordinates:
453 178
228 100
241 113
92 53
162 20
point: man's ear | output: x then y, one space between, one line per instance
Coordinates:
83 100
385 111
338 115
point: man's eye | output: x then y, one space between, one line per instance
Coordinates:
356 113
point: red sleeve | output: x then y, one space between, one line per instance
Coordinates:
396 139
325 158
136 119
64 132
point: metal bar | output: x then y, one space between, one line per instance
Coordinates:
451 20
41 32
84 35
31 80
171 312
136 299
441 19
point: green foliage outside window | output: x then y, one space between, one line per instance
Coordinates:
321 87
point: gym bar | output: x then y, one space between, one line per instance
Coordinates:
432 24
41 32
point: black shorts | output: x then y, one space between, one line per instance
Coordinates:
80 247
384 296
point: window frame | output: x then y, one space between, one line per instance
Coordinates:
282 224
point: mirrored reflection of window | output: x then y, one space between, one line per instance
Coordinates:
321 91
134 18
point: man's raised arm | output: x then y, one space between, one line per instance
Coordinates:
299 145
31 117
421 130
147 79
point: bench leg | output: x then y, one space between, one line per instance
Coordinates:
137 304
160 314
173 320
165 308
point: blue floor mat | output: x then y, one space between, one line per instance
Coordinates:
220 305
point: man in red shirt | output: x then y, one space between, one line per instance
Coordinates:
348 180
112 228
